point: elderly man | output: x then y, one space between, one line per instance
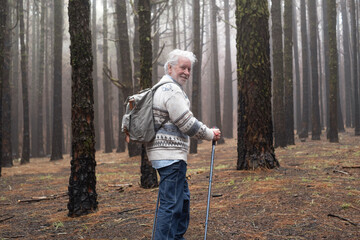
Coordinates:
168 151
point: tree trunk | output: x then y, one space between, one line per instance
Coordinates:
278 77
148 173
6 153
255 139
316 128
82 182
196 69
40 90
106 88
288 73
173 8
305 60
326 64
48 81
354 43
126 71
347 67
95 77
297 72
15 92
135 148
333 66
3 33
25 157
228 90
34 83
57 136
215 67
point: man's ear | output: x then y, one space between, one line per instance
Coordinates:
169 69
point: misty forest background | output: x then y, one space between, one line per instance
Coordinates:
307 90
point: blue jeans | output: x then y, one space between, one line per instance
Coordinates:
174 210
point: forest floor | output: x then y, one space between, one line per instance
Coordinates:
315 194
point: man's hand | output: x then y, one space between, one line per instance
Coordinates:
217 134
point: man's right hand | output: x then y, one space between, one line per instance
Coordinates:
217 134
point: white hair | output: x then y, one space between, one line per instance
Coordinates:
174 55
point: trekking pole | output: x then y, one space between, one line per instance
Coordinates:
209 192
155 218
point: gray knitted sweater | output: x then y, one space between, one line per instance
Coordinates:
172 106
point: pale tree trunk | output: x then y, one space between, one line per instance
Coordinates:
313 19
40 89
228 90
306 76
347 67
106 87
297 71
95 76
354 43
215 66
15 91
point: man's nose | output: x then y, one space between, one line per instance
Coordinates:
187 71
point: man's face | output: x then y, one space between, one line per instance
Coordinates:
181 71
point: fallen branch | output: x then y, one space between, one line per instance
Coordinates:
351 167
42 198
128 210
120 185
341 172
7 218
344 219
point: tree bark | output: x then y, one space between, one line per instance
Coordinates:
297 71
347 67
354 43
95 76
40 90
278 77
196 69
316 128
57 136
228 90
82 182
255 139
215 67
306 76
25 157
288 73
333 66
6 97
3 29
125 64
148 173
